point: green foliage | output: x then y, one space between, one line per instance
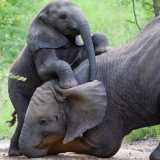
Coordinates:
144 133
15 16
113 17
5 111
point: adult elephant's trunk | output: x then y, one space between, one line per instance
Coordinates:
86 36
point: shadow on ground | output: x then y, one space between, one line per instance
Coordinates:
139 150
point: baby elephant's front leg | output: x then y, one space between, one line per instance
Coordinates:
66 75
62 69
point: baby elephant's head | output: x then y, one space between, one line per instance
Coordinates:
59 116
64 16
57 25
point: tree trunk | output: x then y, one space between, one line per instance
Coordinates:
156 6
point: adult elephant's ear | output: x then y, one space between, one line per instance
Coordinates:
41 36
87 104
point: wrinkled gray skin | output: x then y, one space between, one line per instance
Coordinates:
131 79
50 52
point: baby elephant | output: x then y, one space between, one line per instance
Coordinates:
50 52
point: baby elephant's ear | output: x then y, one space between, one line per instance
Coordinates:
87 104
43 37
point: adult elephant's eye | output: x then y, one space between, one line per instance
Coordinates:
43 122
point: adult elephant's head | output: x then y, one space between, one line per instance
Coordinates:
61 115
57 25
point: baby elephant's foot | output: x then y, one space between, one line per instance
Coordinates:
68 83
14 152
155 154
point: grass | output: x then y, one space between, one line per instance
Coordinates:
113 17
144 133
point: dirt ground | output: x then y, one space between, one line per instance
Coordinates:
139 150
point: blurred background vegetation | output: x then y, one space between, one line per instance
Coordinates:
114 17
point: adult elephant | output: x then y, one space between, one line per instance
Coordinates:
94 117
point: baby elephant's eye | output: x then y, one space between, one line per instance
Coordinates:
43 122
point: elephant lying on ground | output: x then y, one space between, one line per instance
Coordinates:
93 119
50 52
